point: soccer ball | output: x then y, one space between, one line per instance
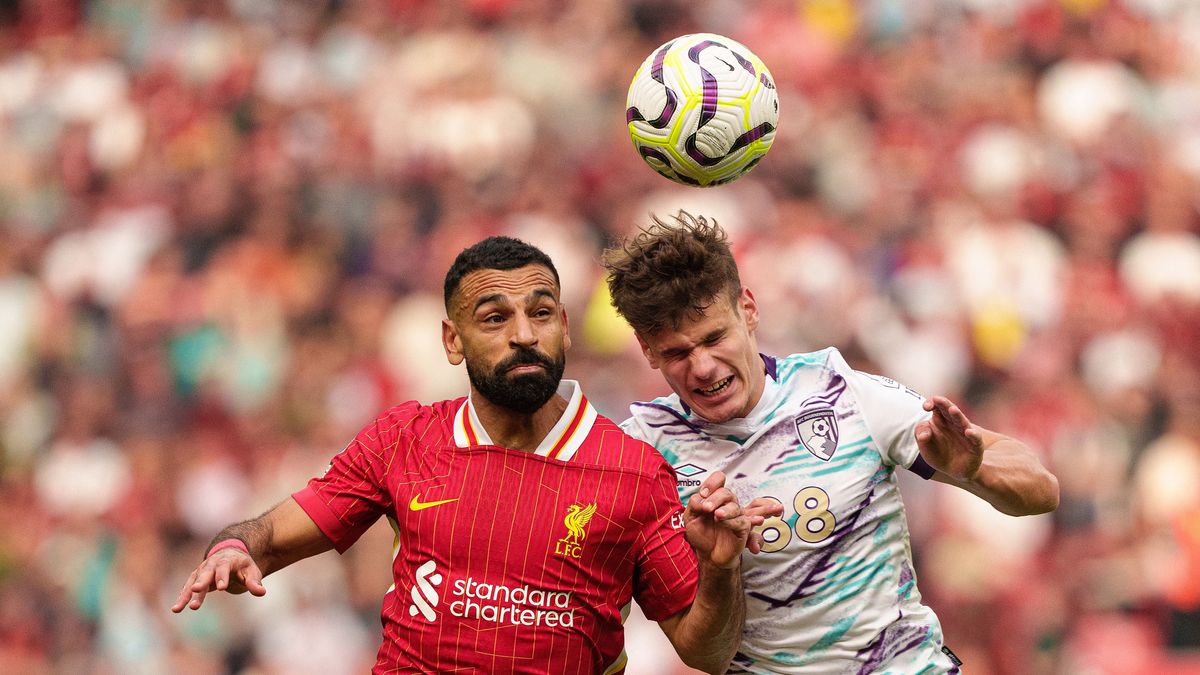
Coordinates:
702 109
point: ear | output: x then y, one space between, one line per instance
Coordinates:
562 310
452 342
646 352
749 307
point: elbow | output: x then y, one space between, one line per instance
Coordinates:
1045 498
1050 503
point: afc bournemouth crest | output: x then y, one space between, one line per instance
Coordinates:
818 432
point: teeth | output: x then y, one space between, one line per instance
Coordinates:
718 386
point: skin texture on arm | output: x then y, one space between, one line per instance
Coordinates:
276 539
706 634
1002 471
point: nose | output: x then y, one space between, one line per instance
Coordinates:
523 333
704 366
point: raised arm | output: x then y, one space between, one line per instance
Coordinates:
1002 471
706 634
272 541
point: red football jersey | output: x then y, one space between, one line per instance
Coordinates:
510 561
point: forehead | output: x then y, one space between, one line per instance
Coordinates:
694 328
511 284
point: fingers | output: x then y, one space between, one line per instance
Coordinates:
761 508
252 579
924 431
221 574
714 482
722 504
754 542
946 412
229 573
185 595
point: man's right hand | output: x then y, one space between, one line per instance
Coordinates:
229 569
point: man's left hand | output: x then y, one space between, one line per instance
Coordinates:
718 528
948 441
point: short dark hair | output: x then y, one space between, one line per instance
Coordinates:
669 271
494 253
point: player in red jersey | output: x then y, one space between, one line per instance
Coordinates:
525 522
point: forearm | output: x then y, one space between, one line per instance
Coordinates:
277 538
1013 481
709 631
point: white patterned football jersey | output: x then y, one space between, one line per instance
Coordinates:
834 589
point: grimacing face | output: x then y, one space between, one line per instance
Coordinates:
712 361
511 329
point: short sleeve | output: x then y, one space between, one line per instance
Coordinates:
665 578
352 494
892 412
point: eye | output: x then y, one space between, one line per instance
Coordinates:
493 319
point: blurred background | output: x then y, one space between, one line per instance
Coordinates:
224 227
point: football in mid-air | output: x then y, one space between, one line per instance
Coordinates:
702 109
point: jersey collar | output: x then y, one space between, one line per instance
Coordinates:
561 442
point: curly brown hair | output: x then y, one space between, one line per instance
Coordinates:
669 271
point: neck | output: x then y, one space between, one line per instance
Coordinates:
517 430
758 385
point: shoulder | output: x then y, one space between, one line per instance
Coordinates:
649 418
819 362
614 447
416 418
664 424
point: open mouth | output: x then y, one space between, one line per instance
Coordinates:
718 387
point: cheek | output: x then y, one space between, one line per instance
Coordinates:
674 372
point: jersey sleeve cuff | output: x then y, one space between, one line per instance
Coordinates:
922 468
326 521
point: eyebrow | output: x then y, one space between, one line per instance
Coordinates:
679 351
537 293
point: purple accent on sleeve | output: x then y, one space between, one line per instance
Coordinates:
922 468
772 365
674 413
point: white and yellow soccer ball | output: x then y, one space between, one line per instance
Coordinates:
702 109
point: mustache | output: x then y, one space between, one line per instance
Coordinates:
525 356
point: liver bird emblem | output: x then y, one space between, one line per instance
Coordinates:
577 519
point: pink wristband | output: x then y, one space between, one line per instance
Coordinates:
228 543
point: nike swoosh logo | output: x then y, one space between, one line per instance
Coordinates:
416 504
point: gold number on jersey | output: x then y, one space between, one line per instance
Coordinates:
814 521
775 531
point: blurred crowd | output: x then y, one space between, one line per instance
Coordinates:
224 227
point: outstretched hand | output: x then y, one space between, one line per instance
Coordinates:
718 528
948 441
229 569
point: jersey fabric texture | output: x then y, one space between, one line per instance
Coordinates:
509 561
834 589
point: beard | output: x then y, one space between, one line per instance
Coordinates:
524 393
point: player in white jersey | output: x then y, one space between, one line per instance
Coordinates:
835 590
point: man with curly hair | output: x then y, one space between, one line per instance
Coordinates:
834 590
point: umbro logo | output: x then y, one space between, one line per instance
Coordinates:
685 473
